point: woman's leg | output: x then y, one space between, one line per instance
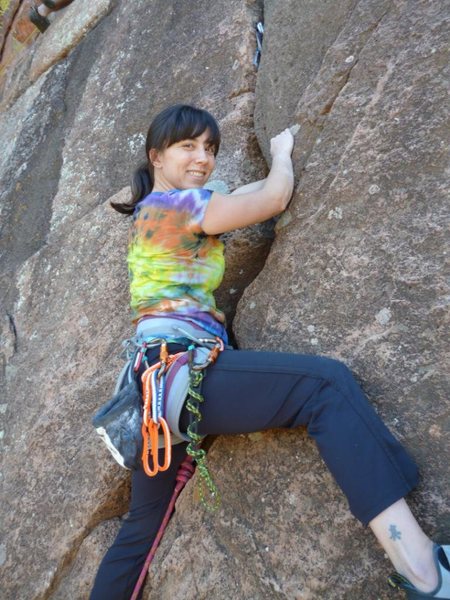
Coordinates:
409 549
249 391
122 564
252 391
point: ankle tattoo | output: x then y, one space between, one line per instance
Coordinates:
395 534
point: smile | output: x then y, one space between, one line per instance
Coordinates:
197 173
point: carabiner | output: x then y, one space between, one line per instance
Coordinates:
150 434
139 356
167 443
212 356
163 357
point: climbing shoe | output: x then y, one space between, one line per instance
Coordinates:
442 591
38 20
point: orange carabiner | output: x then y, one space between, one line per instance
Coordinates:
150 434
167 444
150 428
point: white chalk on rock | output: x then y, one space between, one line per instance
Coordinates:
384 316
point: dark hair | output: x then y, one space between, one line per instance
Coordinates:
173 124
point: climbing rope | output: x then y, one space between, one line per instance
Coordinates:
185 472
153 383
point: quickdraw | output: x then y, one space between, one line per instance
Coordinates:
154 424
153 421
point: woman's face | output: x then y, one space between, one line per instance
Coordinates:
183 165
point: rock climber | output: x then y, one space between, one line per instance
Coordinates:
175 262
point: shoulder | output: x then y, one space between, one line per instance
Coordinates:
191 201
189 205
194 195
175 196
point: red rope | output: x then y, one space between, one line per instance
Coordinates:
185 472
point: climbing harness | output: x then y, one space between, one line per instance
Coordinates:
154 425
136 428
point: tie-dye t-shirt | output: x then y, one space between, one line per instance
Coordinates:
174 267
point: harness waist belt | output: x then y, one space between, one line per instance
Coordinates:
170 327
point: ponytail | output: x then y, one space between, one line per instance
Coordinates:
141 186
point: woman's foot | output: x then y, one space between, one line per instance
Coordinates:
40 21
441 556
38 14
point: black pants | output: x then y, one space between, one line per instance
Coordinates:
251 391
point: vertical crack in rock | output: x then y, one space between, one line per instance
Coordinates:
8 346
370 31
13 330
76 553
28 186
315 108
329 105
8 18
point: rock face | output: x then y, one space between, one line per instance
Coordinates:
70 141
357 270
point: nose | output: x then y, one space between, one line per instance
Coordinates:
201 156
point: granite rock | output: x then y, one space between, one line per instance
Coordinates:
70 140
357 270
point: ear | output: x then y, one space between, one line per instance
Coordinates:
153 156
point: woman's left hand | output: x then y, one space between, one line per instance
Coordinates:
282 144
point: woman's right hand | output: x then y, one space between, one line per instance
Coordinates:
263 199
282 144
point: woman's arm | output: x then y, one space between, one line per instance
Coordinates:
249 187
225 213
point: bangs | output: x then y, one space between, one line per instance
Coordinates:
188 122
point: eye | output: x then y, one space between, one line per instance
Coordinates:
187 145
211 150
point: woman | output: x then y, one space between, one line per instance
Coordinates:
175 263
